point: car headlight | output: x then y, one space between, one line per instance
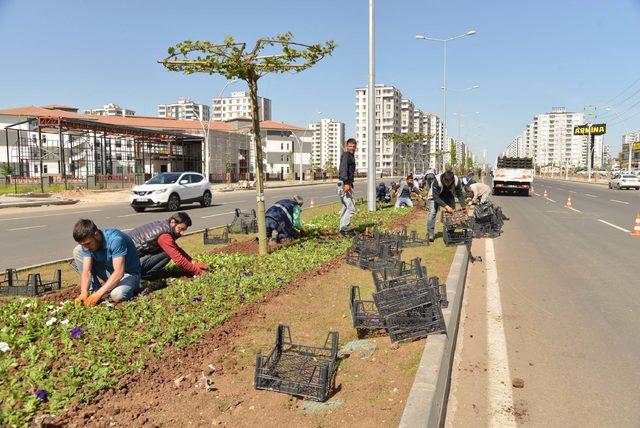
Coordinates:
157 192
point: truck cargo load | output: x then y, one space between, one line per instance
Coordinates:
513 175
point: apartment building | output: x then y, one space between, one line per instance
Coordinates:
238 105
184 109
328 137
110 110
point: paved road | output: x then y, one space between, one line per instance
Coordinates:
30 237
555 302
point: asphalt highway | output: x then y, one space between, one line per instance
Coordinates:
32 236
556 302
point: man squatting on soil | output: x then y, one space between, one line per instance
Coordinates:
346 174
283 219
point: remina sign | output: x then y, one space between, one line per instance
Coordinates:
596 129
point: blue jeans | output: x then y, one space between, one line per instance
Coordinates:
433 211
407 201
126 289
348 208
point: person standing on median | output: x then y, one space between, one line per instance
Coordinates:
346 174
108 255
156 245
442 193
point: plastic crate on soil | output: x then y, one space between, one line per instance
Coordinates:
210 239
395 300
375 259
364 313
12 285
408 273
441 290
416 323
456 237
411 239
299 370
244 222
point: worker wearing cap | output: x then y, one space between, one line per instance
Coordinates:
283 219
481 192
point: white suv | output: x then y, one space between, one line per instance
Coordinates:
171 189
624 180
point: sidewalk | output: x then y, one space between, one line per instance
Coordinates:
20 202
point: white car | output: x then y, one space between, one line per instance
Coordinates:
621 181
170 190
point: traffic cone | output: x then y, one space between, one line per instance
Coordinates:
569 203
311 204
636 227
545 194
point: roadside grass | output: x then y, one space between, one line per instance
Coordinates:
60 353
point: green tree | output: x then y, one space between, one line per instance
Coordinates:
454 156
408 141
231 59
6 170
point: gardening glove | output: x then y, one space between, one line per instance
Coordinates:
92 300
81 298
346 187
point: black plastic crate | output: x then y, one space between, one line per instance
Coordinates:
411 239
364 313
12 285
402 298
378 259
408 273
244 222
486 230
210 239
416 323
299 370
457 237
441 290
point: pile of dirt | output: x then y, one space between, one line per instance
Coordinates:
68 293
139 393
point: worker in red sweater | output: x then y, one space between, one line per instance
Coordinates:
156 246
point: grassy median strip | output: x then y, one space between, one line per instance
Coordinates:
55 354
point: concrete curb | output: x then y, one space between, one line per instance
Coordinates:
38 203
427 402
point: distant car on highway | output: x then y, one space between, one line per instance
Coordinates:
171 190
622 181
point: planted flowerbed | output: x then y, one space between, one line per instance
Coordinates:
54 354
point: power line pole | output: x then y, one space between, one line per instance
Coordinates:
590 109
371 120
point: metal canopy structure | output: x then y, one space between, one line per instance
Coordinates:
95 153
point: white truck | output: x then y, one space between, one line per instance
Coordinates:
513 175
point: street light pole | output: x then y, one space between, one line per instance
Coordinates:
444 79
371 119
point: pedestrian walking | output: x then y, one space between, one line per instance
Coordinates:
443 192
346 174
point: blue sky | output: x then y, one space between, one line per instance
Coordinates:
527 57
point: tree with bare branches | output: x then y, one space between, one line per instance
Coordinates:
231 59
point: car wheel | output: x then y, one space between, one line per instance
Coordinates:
206 199
138 209
173 204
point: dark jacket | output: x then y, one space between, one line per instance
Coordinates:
347 170
145 237
280 217
445 196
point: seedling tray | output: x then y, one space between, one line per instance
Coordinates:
411 239
456 219
456 237
299 370
244 222
408 272
12 285
402 298
364 313
210 239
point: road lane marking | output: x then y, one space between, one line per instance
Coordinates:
215 215
614 226
551 200
25 228
537 194
49 215
330 196
620 202
500 395
572 191
573 209
591 196
129 215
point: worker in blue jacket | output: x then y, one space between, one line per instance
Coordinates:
283 219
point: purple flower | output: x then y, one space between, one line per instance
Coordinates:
241 296
41 394
177 308
76 332
248 273
375 321
196 299
280 279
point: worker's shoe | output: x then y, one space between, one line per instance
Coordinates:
342 233
432 238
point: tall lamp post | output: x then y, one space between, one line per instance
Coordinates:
444 84
371 115
205 131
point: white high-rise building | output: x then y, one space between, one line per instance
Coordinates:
328 141
433 126
406 115
238 105
184 109
388 102
110 110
